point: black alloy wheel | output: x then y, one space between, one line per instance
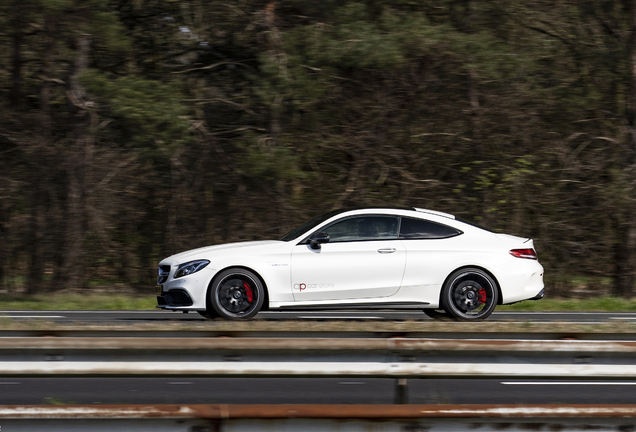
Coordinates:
236 294
470 294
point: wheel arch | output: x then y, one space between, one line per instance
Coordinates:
478 267
260 278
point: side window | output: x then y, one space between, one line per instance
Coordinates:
412 229
361 228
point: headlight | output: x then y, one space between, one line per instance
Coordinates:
190 267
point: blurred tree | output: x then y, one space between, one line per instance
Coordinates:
593 105
132 129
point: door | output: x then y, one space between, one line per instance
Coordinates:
363 259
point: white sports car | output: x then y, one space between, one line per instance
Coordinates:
374 258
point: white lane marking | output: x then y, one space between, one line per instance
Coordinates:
459 323
9 383
557 313
309 312
623 318
339 317
322 312
591 383
351 383
509 322
32 316
180 383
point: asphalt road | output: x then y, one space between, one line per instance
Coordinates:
166 316
34 391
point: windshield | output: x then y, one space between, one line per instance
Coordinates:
307 226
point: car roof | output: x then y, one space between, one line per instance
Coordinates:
434 212
416 209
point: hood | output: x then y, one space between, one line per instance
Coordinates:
225 249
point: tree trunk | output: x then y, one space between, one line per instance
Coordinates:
74 265
624 274
4 243
15 94
38 228
624 254
37 239
47 71
480 154
476 118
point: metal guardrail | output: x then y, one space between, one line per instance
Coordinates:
317 357
343 418
400 358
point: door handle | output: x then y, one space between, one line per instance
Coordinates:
387 250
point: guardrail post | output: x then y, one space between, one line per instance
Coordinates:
401 391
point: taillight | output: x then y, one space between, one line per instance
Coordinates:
524 253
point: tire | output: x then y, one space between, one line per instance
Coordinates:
236 294
470 294
437 314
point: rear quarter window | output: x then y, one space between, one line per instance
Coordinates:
420 229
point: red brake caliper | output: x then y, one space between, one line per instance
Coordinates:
482 295
250 295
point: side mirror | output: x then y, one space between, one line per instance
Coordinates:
317 239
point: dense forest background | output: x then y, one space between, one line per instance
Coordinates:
134 129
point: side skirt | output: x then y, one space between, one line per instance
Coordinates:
391 305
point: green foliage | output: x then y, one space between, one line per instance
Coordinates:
265 160
148 112
56 6
354 41
107 27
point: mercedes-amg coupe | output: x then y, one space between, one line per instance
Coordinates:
373 258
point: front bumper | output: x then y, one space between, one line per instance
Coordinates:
184 293
178 298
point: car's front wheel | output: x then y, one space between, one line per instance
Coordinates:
470 294
236 294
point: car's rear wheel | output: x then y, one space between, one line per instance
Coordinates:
470 294
436 314
237 294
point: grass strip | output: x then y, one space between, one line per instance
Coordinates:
79 301
594 304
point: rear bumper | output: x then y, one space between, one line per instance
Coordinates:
540 295
522 281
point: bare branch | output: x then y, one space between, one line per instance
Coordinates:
212 66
